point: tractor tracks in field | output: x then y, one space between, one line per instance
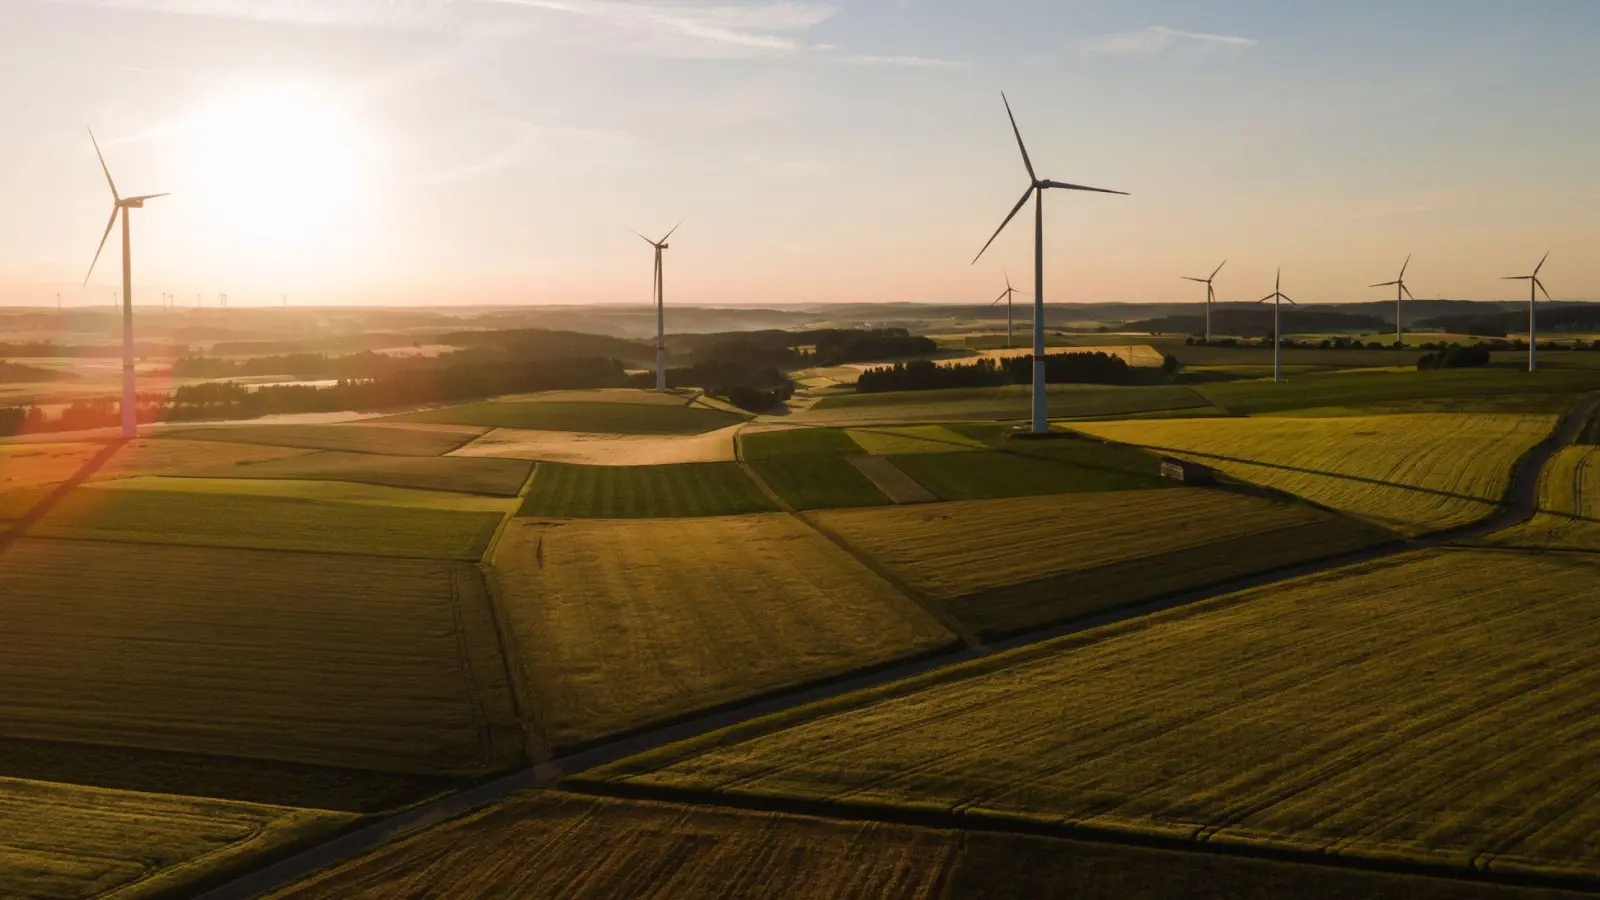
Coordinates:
1518 504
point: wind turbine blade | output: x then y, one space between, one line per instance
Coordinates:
999 298
1079 187
674 228
1541 262
1540 285
1407 290
1013 214
146 197
1517 278
1290 299
1018 132
1384 284
1266 298
103 167
102 247
643 238
1008 281
1219 269
1192 278
1403 267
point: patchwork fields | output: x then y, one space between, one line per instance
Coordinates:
1007 402
618 625
560 490
499 477
27 465
603 449
1002 566
595 418
1408 709
1411 472
350 438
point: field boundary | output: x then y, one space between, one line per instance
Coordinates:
535 744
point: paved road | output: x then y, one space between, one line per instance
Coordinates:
1520 503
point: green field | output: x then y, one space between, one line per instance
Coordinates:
596 418
618 625
1007 566
350 438
818 482
63 841
1412 473
37 464
1355 390
213 519
796 442
888 441
1008 402
317 491
1415 708
561 490
1568 516
1066 467
472 475
356 663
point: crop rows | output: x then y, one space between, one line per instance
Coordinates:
1569 504
500 477
562 490
351 438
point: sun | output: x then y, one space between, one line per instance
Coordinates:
275 166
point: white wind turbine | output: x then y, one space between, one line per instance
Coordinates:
660 298
1534 287
1277 333
1211 295
1400 293
1006 296
120 206
1036 189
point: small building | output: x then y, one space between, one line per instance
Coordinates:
1185 472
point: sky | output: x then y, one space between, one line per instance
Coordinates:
498 151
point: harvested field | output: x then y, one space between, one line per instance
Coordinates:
1408 709
210 519
1413 473
819 482
892 480
1569 504
499 477
760 445
561 845
381 664
618 625
352 438
603 449
63 841
913 439
39 464
688 489
1003 566
983 475
594 418
1008 402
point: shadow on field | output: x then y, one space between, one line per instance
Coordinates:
43 507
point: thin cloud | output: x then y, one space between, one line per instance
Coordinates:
1157 39
388 14
902 62
695 27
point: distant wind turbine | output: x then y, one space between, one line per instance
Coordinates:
58 301
1400 293
1277 333
120 206
1006 296
1211 295
660 298
1535 286
1036 189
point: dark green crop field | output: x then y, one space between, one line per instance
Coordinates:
562 490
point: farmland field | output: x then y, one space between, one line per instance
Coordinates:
687 489
316 491
983 475
1569 504
26 465
621 624
210 519
1002 566
502 477
1358 389
594 418
391 665
603 449
607 395
913 439
1007 402
1410 472
350 438
64 841
796 442
818 482
1408 709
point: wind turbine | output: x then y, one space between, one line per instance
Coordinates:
1277 335
1534 287
1006 296
1211 295
660 298
1036 189
1400 293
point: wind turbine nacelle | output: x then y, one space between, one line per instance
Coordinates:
131 204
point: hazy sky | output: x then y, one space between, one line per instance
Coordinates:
484 151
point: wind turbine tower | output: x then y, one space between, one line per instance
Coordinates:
1211 295
660 298
1277 333
1006 296
122 206
1036 188
1535 286
1400 293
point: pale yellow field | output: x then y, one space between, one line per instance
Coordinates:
38 464
620 624
1413 473
604 449
1441 706
1569 504
64 841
